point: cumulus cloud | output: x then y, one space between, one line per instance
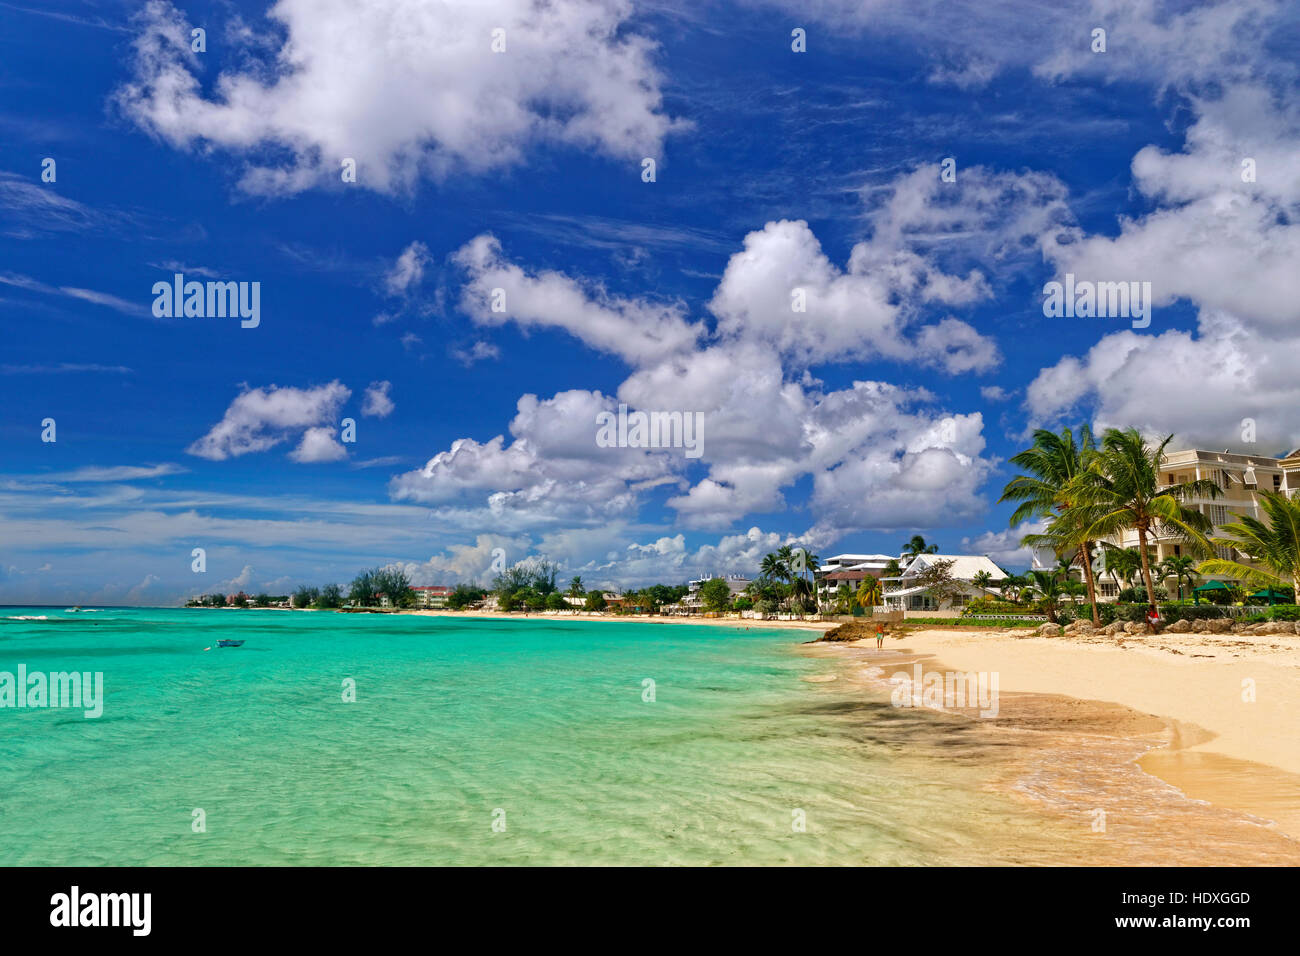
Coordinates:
377 402
1228 246
261 418
633 329
407 90
318 445
477 352
1003 547
408 270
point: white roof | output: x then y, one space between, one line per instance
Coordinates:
964 566
855 562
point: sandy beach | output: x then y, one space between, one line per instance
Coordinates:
1218 744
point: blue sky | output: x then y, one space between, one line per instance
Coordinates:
887 408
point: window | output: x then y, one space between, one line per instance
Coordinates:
1218 515
1277 482
1109 589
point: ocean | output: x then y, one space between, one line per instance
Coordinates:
484 741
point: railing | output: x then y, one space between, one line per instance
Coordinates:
1003 617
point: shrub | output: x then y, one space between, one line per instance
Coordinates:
743 604
1105 613
988 605
1139 595
1285 612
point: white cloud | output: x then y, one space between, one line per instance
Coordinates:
476 353
377 401
261 418
1232 249
1003 547
635 330
406 89
318 445
408 271
994 393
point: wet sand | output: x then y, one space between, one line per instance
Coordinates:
1128 786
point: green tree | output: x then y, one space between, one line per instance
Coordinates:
918 546
305 596
1180 569
1046 587
1123 490
938 582
1274 545
576 589
715 594
463 595
331 595
595 601
361 593
870 593
1049 489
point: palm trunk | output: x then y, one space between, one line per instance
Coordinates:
1146 575
1092 590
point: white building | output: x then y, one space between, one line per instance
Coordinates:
904 594
850 569
693 602
1241 476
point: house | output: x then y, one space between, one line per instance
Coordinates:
903 593
1242 477
432 596
692 603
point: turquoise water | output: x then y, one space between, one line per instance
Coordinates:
458 719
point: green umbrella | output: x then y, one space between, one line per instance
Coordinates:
1272 595
1207 587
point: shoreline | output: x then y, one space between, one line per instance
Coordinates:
1217 747
741 623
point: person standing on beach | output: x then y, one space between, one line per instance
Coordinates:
880 636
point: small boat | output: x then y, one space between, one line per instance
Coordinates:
230 643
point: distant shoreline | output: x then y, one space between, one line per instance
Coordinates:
741 622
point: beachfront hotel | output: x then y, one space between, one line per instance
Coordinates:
1242 477
693 603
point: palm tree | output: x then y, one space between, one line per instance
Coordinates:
1011 586
774 567
869 592
982 580
1122 563
1049 489
1122 488
1047 586
1275 545
918 546
1180 569
810 564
